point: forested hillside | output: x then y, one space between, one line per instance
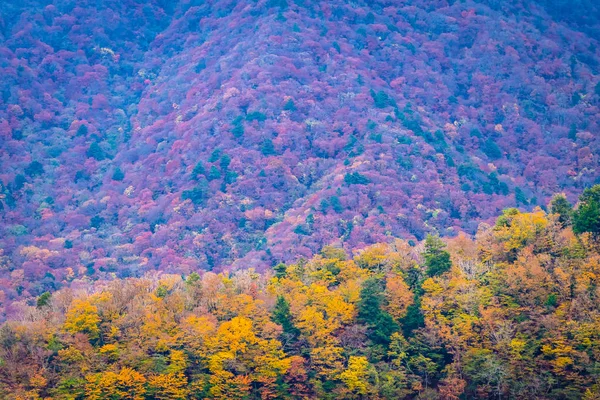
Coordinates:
171 136
512 313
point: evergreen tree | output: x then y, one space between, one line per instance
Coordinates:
282 316
356 178
267 147
118 175
437 260
214 173
371 313
199 169
34 169
43 300
289 105
561 206
96 152
280 270
586 217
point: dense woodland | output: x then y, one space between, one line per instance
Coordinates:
296 199
513 312
175 136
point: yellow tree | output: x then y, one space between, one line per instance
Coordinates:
82 317
237 357
127 385
170 386
355 377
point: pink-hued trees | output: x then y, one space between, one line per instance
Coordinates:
182 137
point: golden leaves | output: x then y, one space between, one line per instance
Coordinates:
82 317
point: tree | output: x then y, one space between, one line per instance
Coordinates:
289 105
118 175
237 358
225 161
356 178
127 384
19 182
560 205
372 314
336 204
168 386
280 270
96 152
586 217
96 221
356 375
82 317
256 116
197 194
35 168
437 260
281 315
214 173
198 169
82 130
485 370
491 149
267 148
43 300
399 296
381 99
238 127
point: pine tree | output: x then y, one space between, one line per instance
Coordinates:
282 316
371 313
561 206
437 260
586 217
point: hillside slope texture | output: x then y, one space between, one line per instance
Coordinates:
219 135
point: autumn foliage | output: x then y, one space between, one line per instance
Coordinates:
177 136
513 312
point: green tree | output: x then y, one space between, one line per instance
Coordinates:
437 260
19 182
561 206
197 194
267 147
214 173
289 105
371 313
586 217
256 116
335 203
96 152
43 300
280 270
215 155
381 99
118 175
96 221
491 149
281 315
199 169
225 161
200 66
82 130
35 168
355 178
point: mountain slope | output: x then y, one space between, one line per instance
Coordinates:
141 136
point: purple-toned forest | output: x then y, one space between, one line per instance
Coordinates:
210 135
